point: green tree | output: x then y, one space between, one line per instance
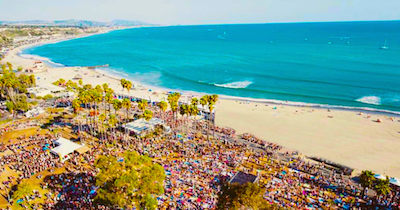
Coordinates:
112 122
367 179
24 191
47 97
32 80
382 186
76 105
20 68
194 102
9 65
126 103
117 105
133 182
142 105
147 115
10 106
247 196
163 106
173 99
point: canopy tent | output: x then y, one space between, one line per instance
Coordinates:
395 181
141 125
82 150
64 147
379 176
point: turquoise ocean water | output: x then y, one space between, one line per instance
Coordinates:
338 64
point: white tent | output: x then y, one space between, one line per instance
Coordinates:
64 148
395 181
380 176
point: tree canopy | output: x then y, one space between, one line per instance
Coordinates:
132 180
247 196
13 88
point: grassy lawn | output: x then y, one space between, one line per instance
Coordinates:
5 121
36 185
13 135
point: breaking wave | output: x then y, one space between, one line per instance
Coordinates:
235 85
375 100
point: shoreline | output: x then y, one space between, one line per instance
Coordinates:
51 64
341 135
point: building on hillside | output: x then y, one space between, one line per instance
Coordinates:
38 66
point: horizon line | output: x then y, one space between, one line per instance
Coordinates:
210 24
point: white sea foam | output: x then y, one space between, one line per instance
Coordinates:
43 59
375 100
235 85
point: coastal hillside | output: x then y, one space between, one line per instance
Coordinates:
74 23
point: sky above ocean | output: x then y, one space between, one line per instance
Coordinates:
190 12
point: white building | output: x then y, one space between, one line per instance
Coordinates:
42 90
34 112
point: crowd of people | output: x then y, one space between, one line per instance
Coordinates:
194 168
264 144
227 132
31 155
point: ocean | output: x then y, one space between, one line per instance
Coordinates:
336 64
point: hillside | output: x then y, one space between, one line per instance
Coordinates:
74 23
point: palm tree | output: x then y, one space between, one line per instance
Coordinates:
204 101
195 102
10 68
163 106
212 100
126 103
84 98
104 91
142 105
184 109
102 119
173 103
367 179
194 111
123 84
147 115
128 86
109 97
97 99
117 105
76 105
382 186
112 121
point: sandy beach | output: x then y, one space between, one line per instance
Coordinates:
344 137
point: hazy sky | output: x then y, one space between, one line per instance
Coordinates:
202 11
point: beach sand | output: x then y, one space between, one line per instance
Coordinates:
344 137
